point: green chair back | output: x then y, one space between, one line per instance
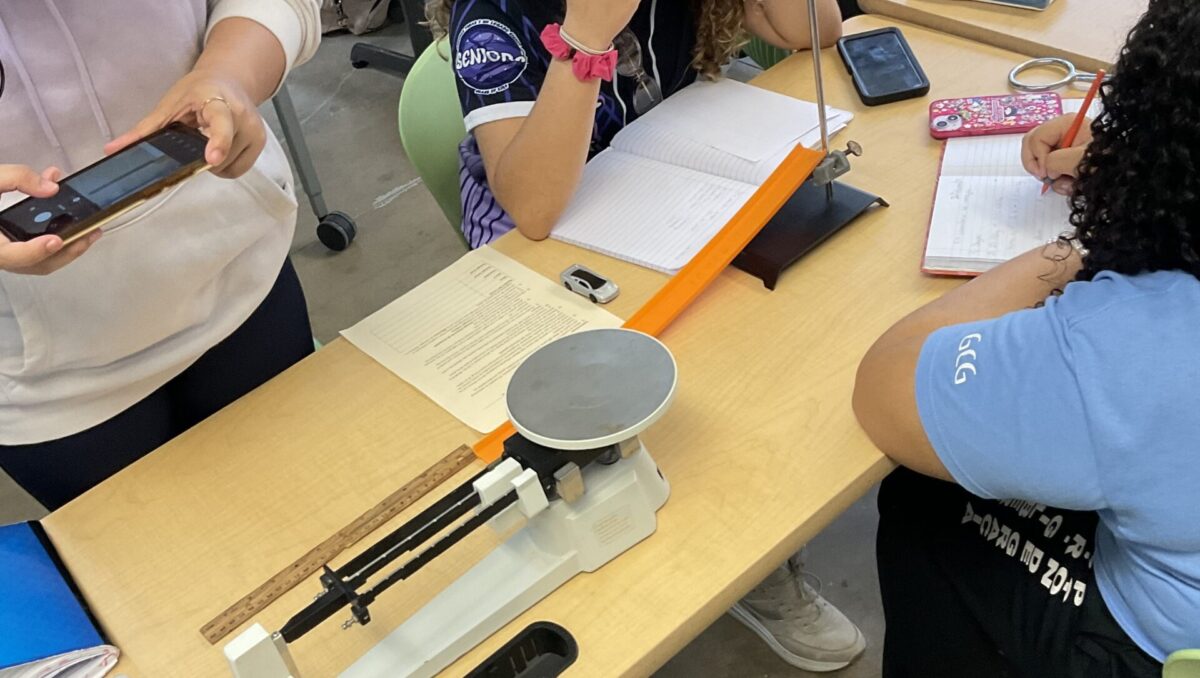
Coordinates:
1182 664
431 127
764 53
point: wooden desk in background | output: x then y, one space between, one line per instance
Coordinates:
761 447
1088 33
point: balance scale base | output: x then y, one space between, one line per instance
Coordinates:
616 511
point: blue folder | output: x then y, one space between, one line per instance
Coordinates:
41 614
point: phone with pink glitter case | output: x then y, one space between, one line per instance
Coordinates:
1000 114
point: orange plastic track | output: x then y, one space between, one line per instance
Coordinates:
683 288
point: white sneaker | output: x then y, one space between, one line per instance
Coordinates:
798 624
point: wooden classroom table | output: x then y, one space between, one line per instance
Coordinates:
1089 33
761 446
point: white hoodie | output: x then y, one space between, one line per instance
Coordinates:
172 278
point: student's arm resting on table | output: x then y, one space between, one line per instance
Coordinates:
784 23
248 50
534 163
885 398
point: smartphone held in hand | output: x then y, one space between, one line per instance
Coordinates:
109 188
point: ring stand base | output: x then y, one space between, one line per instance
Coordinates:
804 221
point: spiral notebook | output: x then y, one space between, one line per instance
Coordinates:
987 208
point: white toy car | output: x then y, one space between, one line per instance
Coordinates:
586 282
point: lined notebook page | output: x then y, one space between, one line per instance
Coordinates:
747 121
988 209
646 212
981 221
657 142
675 176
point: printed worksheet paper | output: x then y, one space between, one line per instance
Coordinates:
459 336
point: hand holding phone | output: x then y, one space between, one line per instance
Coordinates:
82 203
44 254
218 107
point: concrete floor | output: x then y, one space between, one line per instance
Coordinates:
349 118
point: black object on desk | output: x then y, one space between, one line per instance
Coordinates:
804 221
542 650
883 66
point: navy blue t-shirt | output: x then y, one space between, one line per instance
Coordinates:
500 65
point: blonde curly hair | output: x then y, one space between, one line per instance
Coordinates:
720 33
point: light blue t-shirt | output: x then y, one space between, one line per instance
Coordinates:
1090 403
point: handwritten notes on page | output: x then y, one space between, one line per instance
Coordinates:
460 335
988 209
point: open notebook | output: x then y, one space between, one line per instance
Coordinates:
672 178
987 208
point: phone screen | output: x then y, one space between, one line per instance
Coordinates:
124 174
882 63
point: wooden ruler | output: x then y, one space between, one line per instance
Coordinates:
654 317
287 578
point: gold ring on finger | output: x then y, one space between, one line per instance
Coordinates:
212 99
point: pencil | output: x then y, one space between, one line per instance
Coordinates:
1073 130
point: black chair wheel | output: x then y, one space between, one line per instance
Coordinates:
336 231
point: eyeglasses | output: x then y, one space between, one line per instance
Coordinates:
647 94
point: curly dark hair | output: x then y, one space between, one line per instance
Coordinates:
1136 206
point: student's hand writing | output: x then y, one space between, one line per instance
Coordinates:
221 108
43 254
596 22
1042 157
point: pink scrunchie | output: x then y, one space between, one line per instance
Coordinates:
584 66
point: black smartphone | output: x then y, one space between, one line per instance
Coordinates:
883 66
104 190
